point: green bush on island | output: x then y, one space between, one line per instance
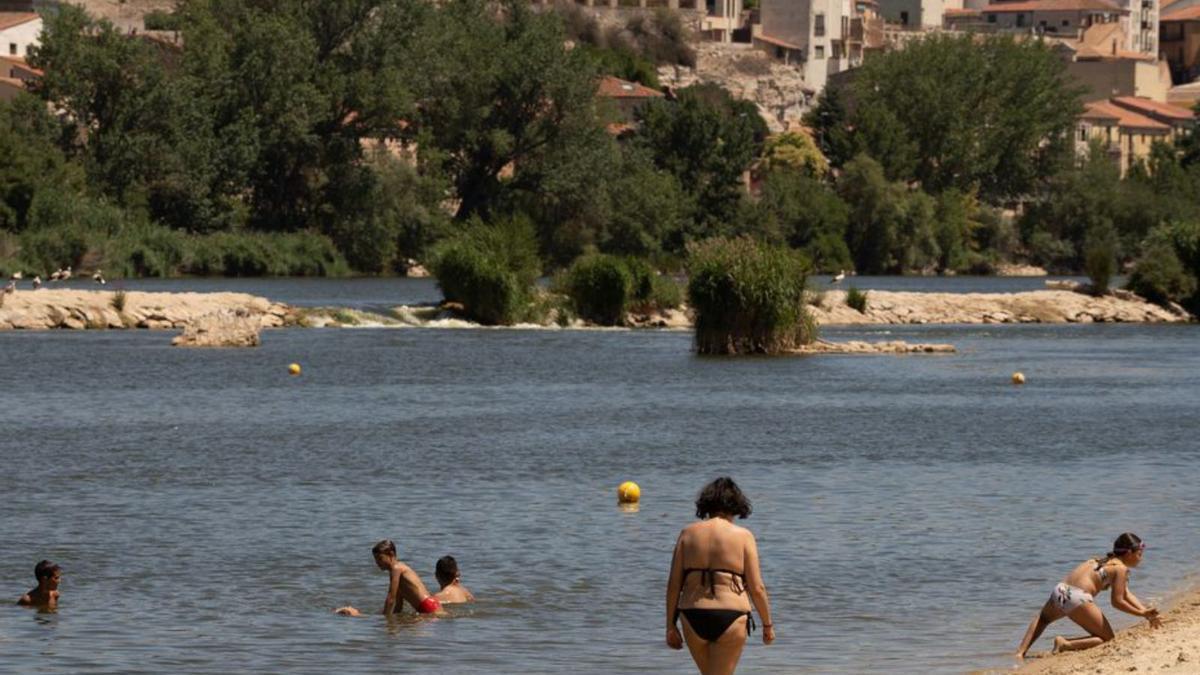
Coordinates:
490 270
604 288
857 300
1169 267
601 288
1100 258
748 297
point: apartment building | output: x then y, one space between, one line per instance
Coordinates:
820 37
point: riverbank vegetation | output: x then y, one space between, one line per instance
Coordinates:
748 297
331 138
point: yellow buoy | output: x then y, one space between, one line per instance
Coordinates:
628 492
294 369
1018 378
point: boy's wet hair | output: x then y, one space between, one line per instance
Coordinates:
385 546
44 570
447 569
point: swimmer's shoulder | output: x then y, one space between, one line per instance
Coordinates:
24 600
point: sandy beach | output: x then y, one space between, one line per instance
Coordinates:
1174 648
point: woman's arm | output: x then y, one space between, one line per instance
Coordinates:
674 585
757 589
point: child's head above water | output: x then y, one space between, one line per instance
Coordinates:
48 572
383 550
447 570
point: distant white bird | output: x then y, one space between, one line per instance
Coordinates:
56 275
16 276
66 273
98 277
37 282
838 277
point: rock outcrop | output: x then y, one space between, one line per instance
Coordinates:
780 91
860 347
47 309
226 328
1051 306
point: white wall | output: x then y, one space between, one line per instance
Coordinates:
23 36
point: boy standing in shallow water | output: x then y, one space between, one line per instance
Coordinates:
403 584
448 577
45 596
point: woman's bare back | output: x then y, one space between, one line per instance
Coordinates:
714 544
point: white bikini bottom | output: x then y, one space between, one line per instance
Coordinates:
1068 598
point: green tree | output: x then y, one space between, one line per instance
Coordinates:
992 114
501 101
796 151
1073 203
807 215
890 229
831 127
706 140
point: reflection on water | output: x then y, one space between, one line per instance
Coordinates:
911 512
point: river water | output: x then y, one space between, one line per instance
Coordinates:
912 512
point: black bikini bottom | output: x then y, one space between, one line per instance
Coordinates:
711 624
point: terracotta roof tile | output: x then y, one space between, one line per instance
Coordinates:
1054 6
1105 110
1182 14
615 87
11 19
1154 108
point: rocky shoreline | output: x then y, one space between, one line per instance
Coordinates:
1049 306
49 309
207 315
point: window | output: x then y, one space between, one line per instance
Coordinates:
991 18
819 52
904 18
1020 20
819 25
837 50
1066 22
12 49
1082 133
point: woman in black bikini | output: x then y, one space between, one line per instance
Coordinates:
714 578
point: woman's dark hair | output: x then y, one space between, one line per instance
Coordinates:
1123 544
384 546
722 497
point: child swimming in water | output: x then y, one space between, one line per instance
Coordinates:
449 578
45 596
403 584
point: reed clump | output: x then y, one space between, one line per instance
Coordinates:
490 270
748 297
857 299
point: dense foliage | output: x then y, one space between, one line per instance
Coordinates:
748 297
490 270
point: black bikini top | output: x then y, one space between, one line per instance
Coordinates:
708 576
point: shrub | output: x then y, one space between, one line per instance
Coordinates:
1100 259
1159 276
159 20
749 297
118 301
601 289
490 270
857 299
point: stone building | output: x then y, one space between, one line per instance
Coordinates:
819 37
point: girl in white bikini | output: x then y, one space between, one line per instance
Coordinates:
1074 598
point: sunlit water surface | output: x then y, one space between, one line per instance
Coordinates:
912 512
